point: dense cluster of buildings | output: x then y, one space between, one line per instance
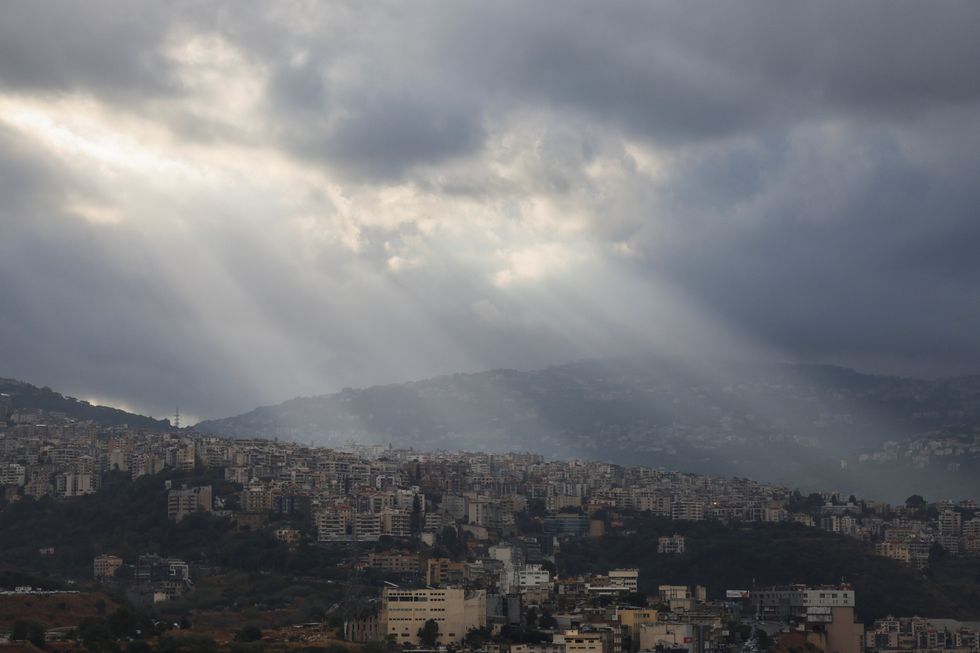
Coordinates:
447 527
945 450
909 534
922 635
365 492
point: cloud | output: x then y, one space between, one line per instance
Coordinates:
219 206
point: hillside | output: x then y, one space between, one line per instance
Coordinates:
18 395
742 557
128 518
786 423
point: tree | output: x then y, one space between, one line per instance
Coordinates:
531 617
123 622
415 523
476 637
764 640
30 631
915 502
429 634
95 634
637 599
547 620
249 633
19 632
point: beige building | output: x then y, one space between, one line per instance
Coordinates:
537 648
598 640
631 618
840 635
455 610
668 634
105 566
443 571
181 503
894 550
825 614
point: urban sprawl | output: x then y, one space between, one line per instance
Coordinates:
393 510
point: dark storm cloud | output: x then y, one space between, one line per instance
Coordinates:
872 262
383 132
813 190
674 74
96 47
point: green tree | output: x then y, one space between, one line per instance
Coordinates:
95 634
915 502
19 631
637 599
476 637
416 519
29 631
429 634
249 633
765 641
547 620
531 617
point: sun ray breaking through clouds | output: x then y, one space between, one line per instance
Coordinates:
224 207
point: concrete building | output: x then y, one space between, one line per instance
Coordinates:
825 614
76 485
950 523
455 611
443 571
331 526
105 566
181 503
12 474
672 635
587 640
617 581
671 544
532 577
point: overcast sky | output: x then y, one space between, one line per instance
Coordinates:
226 204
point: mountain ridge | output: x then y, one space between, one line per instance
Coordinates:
788 422
21 395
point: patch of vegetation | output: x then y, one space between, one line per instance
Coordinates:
753 555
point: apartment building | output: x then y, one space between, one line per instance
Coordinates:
105 566
825 614
183 502
671 544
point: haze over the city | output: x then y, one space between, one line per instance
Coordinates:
229 204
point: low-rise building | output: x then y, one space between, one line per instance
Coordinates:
186 501
106 566
671 544
455 611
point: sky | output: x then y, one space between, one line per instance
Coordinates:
226 204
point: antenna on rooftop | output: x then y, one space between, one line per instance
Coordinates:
177 418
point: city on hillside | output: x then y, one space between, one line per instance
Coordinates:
459 550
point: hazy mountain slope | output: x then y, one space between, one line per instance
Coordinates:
793 423
18 395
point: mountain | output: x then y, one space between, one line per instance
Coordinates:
20 396
803 425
